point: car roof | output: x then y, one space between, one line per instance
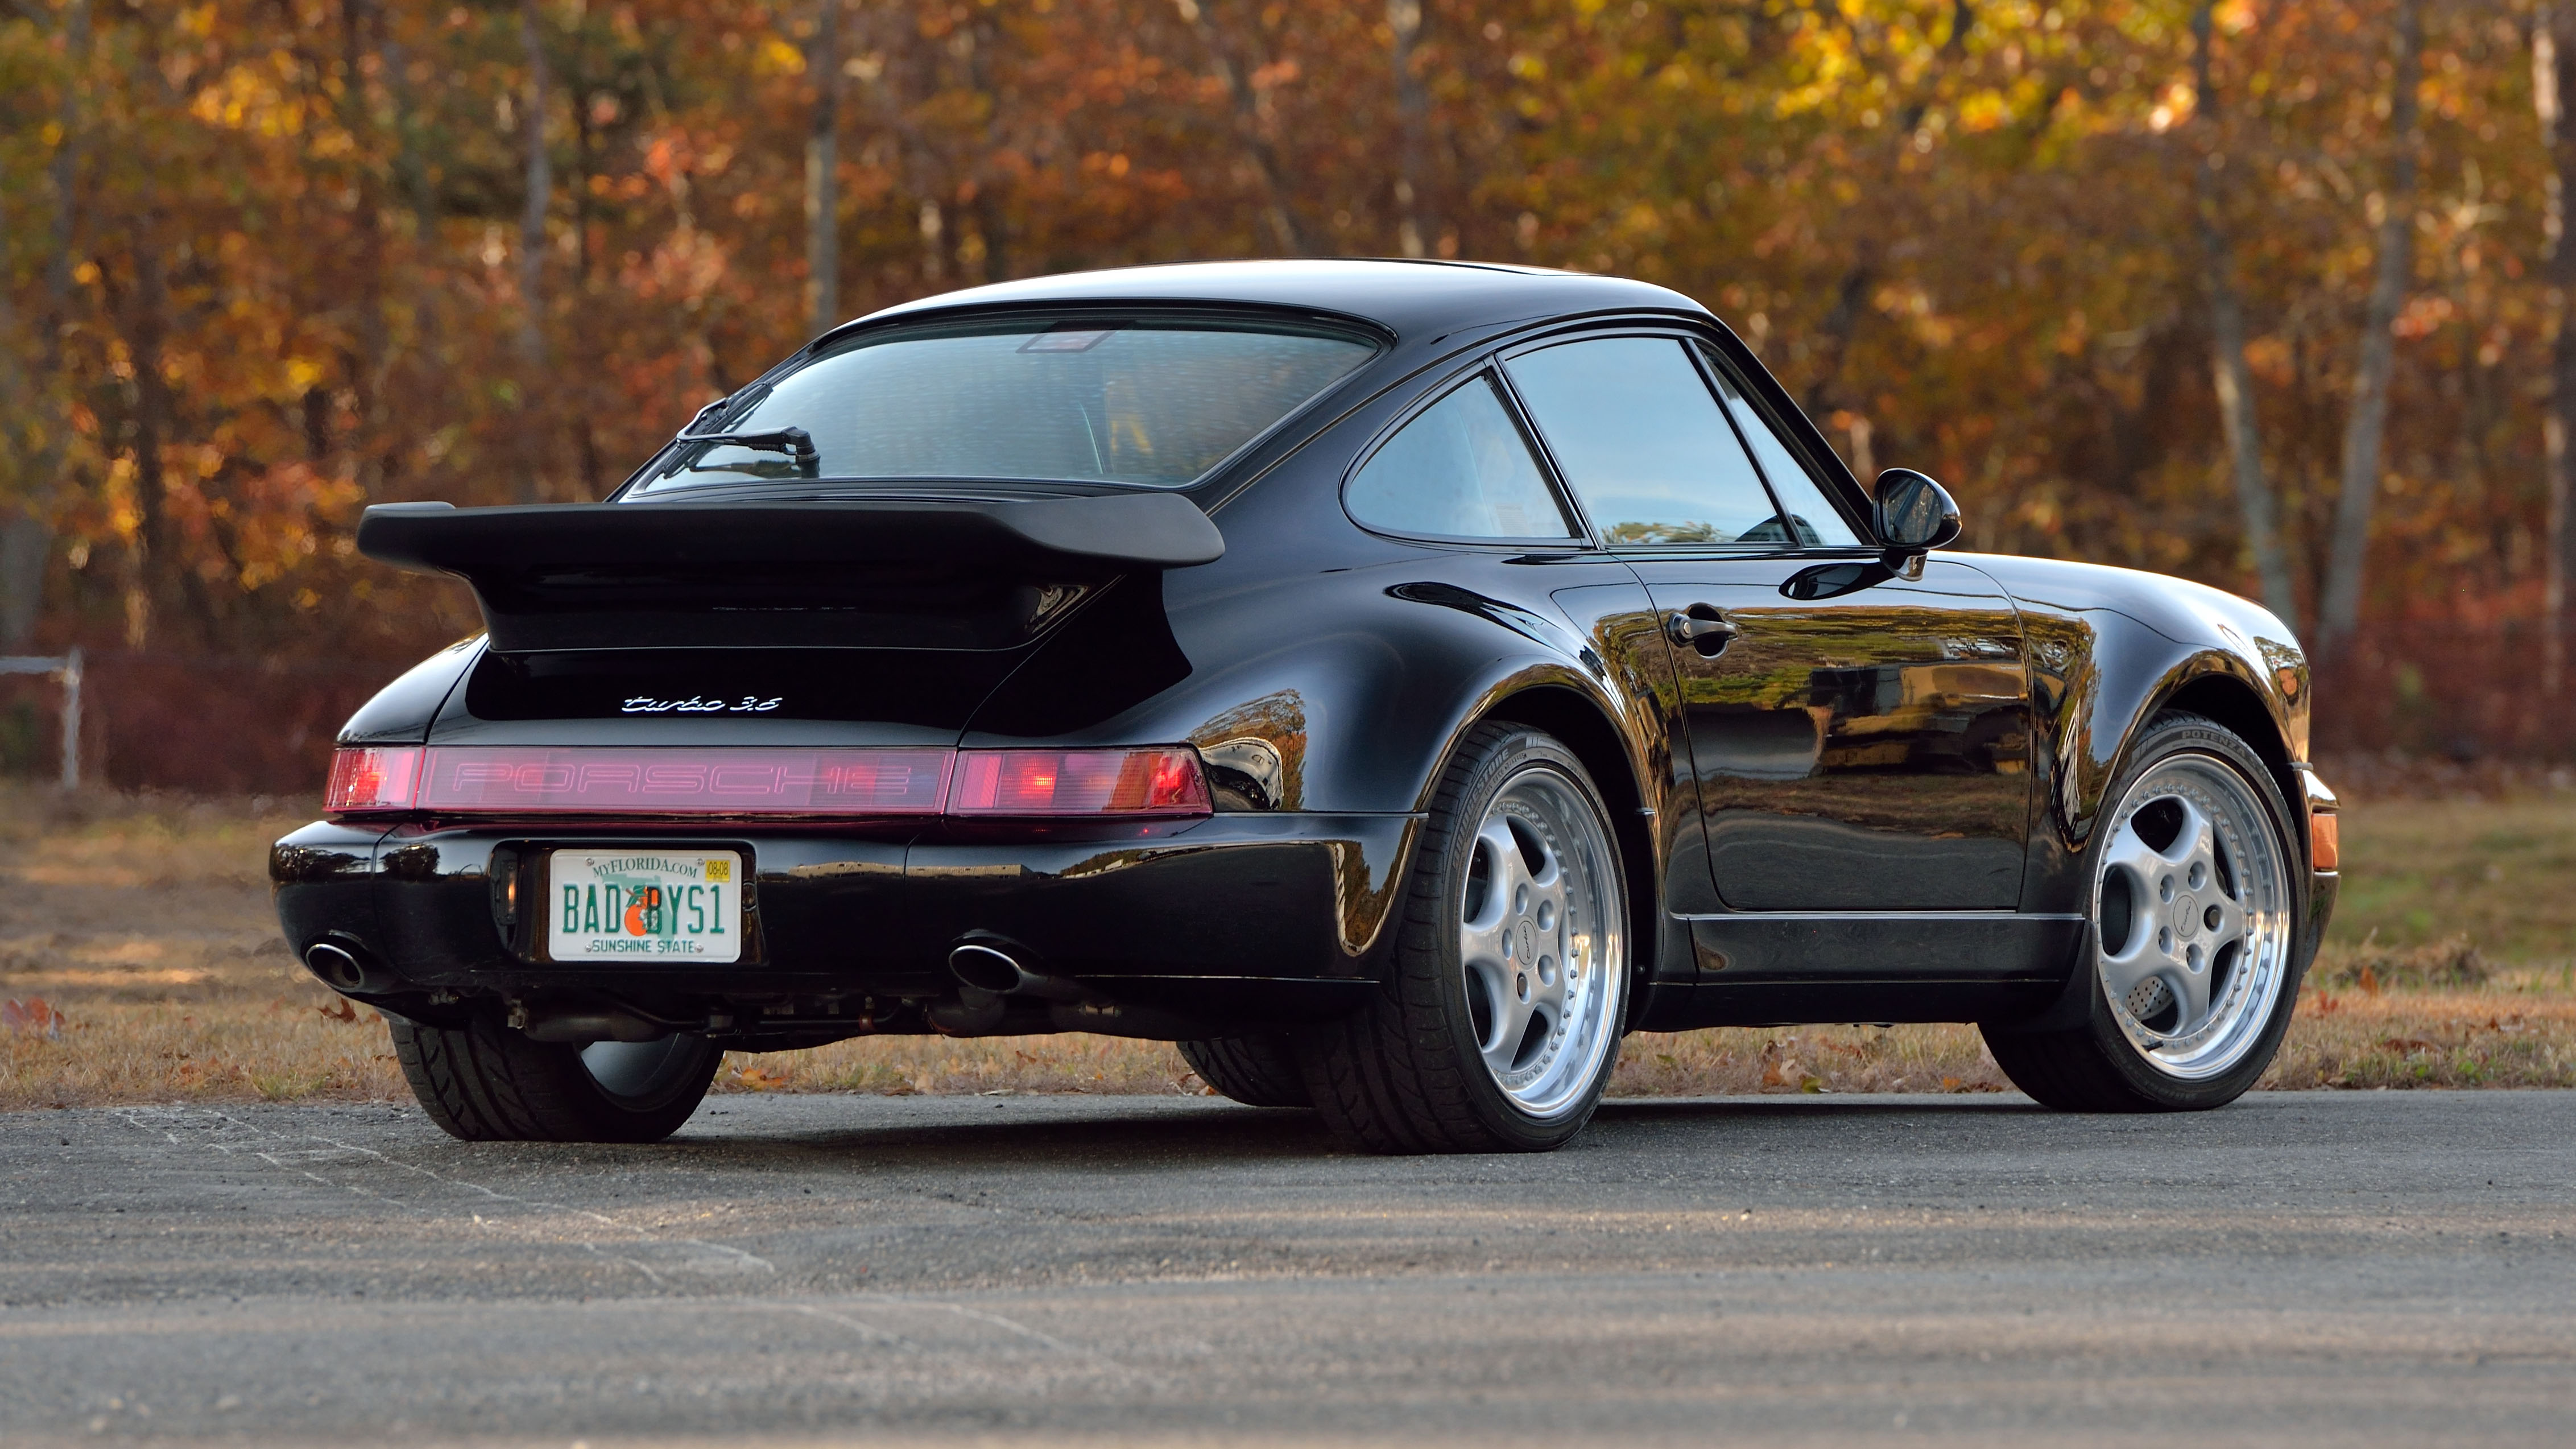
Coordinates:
1409 298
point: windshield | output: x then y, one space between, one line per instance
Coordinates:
1138 399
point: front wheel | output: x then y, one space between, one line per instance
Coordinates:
486 1083
1499 1024
2193 968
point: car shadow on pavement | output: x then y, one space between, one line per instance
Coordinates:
1136 1135
1193 1133
1839 1107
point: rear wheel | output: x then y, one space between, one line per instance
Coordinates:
1499 1024
486 1083
1258 1071
2196 914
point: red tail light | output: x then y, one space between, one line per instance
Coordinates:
371 779
1079 782
589 781
583 780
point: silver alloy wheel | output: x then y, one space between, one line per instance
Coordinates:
1543 943
2192 897
639 1071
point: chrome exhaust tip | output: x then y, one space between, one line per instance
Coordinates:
338 967
989 968
999 967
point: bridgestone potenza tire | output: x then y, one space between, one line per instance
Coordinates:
2223 920
484 1082
1258 1071
1498 1024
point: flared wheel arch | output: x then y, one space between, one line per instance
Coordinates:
2213 690
1585 728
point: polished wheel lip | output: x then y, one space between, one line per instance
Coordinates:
1542 943
2217 893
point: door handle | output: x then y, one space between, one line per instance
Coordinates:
1703 627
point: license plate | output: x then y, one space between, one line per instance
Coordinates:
644 905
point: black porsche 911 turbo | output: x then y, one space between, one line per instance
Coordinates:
1392 681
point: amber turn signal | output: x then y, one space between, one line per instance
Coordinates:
2324 850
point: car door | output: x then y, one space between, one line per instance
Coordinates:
1864 751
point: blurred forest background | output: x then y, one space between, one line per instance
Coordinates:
2265 292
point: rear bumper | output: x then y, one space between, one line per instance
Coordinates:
1239 917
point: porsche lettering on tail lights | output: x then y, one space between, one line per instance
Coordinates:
838 784
500 779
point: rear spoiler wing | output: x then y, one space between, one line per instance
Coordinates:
899 573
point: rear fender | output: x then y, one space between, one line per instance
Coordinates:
402 712
1342 693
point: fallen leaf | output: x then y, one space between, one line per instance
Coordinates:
346 1012
33 1017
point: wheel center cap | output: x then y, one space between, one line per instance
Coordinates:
2186 917
1525 940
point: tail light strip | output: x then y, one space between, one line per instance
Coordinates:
831 783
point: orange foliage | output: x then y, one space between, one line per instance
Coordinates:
262 261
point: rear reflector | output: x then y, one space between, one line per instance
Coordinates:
588 781
1079 782
858 783
371 779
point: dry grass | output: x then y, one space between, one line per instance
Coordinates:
2499 871
145 923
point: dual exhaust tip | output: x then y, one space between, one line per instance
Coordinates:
999 967
339 968
986 965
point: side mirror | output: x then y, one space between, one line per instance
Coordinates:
1915 514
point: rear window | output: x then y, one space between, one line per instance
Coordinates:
1145 400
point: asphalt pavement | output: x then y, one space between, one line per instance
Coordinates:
2301 1267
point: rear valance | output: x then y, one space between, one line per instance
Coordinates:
969 574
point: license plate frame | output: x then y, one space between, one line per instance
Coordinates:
698 917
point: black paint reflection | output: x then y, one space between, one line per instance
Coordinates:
1866 751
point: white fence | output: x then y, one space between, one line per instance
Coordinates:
67 669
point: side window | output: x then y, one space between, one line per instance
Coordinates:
1642 442
1813 521
1459 470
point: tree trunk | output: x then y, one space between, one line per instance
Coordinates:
822 173
2233 380
146 328
1413 112
25 535
540 184
26 522
2553 77
1833 338
1285 229
359 22
2367 428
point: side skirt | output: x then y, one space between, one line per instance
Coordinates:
1765 969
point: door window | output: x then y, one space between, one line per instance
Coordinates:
1642 442
1812 519
1460 470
